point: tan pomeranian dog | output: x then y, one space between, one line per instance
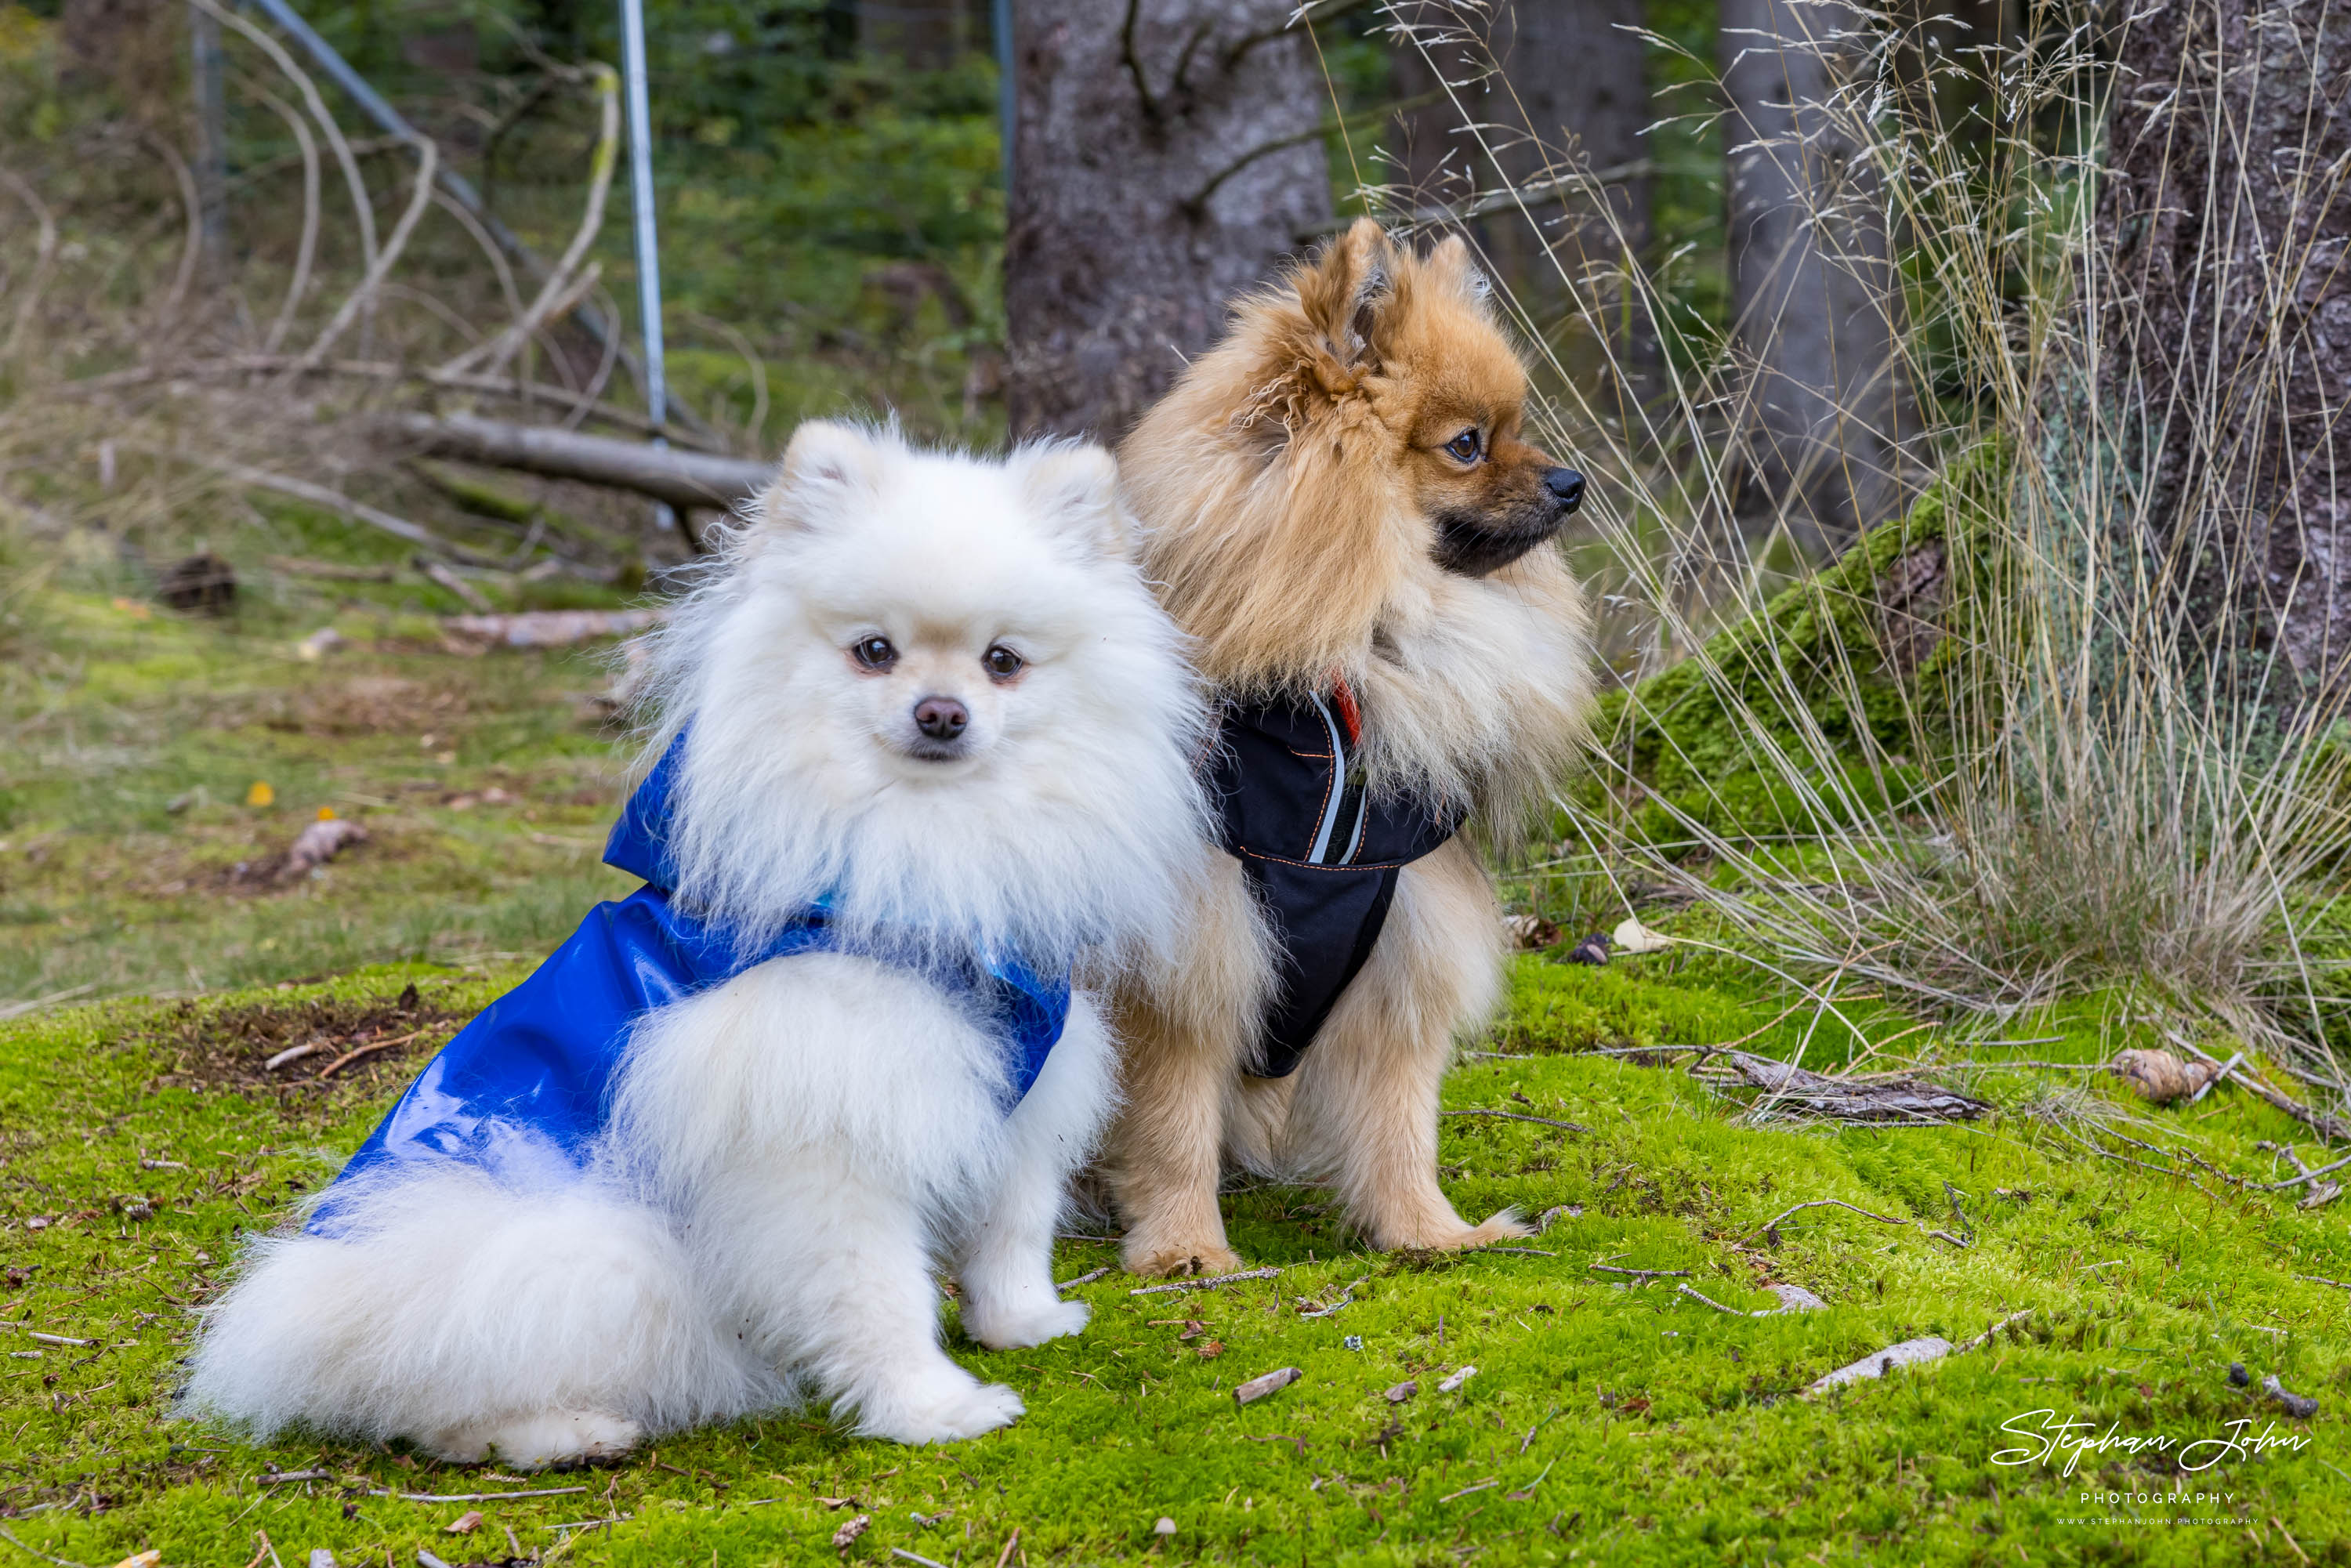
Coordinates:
1341 511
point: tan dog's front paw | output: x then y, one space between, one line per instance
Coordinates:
1454 1237
1179 1259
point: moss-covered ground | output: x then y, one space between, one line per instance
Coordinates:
133 740
1607 1420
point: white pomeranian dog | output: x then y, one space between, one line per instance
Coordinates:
922 748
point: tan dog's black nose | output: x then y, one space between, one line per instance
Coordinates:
1567 484
941 718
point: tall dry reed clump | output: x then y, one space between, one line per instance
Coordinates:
2033 736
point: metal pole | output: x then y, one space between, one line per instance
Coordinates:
641 187
211 141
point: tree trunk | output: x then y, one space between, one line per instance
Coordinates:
1438 75
1557 85
925 34
1824 416
1572 92
2224 221
1168 157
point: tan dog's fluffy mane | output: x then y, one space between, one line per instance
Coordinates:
1289 488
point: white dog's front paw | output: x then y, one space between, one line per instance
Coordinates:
535 1442
1020 1330
941 1414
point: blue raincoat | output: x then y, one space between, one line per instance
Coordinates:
523 1091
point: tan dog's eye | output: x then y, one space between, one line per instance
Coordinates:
875 654
1466 446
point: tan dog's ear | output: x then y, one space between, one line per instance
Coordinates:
1073 487
1318 357
1347 289
1450 266
828 466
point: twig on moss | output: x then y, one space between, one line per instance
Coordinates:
1346 1296
2331 1128
1086 1279
2323 1279
480 1496
1699 1296
2308 1174
1266 1273
1821 1203
1520 1116
1985 1338
369 1050
1640 1273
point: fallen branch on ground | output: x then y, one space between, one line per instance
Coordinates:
1908 1100
666 474
544 628
330 571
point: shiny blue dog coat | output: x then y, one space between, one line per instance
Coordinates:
523 1091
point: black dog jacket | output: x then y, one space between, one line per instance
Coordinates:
1322 853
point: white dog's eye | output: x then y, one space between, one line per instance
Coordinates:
1002 662
873 653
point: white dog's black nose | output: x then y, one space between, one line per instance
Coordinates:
941 718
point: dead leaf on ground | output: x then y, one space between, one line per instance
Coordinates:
1273 1381
1530 933
2160 1076
320 842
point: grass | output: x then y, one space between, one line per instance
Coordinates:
133 738
1662 1429
1621 1424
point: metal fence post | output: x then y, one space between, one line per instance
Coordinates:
211 143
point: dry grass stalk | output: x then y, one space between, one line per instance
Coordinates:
2084 786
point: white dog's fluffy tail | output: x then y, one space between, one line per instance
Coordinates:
461 1313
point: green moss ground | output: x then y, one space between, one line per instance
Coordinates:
129 739
146 1133
1613 1423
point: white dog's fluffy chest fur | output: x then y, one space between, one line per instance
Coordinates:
832 1051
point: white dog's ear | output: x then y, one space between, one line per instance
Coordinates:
1073 487
827 464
